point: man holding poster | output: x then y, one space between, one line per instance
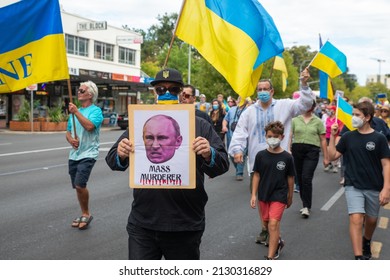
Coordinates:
170 223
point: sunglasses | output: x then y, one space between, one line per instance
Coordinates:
385 111
162 90
187 96
263 89
82 91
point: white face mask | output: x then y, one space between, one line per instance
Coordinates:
357 122
273 142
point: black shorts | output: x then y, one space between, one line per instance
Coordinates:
79 171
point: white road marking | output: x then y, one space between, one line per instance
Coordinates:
48 150
333 200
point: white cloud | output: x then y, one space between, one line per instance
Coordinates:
357 27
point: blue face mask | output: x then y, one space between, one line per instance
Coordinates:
263 96
215 107
168 98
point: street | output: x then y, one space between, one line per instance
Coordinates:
38 204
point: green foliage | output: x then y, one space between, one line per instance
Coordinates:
24 112
210 82
55 114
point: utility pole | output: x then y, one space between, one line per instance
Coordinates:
379 61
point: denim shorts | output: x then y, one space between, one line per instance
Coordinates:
79 171
362 201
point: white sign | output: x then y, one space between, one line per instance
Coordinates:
94 25
129 39
32 87
73 71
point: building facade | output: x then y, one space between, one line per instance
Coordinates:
107 55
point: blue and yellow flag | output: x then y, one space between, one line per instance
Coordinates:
236 37
330 60
33 45
280 65
326 89
344 112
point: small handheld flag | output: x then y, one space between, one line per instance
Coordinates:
344 112
330 60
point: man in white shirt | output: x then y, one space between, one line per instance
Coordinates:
250 132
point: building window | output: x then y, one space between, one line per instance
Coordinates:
104 51
76 45
126 56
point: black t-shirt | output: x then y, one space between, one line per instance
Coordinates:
274 169
363 154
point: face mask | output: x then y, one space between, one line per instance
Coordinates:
273 142
263 96
215 107
357 122
168 98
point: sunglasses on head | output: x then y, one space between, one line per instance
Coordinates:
173 90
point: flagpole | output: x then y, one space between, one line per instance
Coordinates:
71 100
174 34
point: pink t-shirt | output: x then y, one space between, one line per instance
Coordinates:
328 124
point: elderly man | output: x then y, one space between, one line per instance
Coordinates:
170 223
250 134
85 144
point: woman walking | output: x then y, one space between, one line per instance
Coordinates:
308 138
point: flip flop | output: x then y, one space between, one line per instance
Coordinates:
76 222
85 220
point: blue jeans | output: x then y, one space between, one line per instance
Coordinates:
238 166
146 244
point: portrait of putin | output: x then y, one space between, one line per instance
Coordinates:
161 136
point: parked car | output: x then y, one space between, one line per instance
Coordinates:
123 121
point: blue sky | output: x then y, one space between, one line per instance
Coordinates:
359 28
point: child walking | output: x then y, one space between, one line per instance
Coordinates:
367 176
273 185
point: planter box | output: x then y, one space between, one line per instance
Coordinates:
24 126
52 126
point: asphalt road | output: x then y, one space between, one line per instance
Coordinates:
37 205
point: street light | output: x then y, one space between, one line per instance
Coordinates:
379 61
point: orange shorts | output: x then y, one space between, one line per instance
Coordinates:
271 210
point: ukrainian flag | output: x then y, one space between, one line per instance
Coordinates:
33 46
236 37
326 89
280 64
344 112
330 60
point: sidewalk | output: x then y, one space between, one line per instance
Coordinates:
7 131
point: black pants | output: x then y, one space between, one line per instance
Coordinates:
145 244
306 159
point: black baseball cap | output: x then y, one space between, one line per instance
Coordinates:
168 75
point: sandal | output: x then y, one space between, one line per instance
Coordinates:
76 222
85 220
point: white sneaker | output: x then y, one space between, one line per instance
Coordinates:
335 169
327 169
305 213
